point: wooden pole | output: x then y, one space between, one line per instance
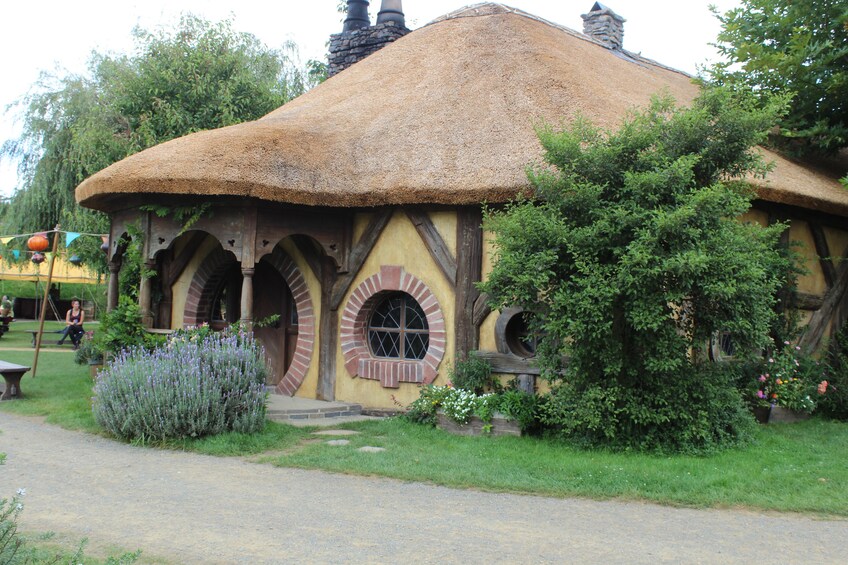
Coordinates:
44 302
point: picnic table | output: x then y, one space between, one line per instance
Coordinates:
12 374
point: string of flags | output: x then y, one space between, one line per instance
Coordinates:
39 256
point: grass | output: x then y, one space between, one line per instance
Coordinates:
787 468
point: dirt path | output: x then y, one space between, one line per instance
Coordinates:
187 508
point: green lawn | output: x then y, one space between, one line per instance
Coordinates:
788 468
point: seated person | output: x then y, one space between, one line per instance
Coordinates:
5 307
73 324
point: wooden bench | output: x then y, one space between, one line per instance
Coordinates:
12 374
34 333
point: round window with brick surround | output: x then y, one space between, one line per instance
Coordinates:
392 330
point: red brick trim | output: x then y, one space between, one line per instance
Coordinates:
354 324
296 373
206 280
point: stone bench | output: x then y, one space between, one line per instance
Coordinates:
12 374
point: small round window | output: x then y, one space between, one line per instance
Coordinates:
520 340
398 328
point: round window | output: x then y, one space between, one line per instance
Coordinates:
519 338
397 329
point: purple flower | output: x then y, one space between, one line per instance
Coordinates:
762 378
760 394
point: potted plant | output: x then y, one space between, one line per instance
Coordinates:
89 353
789 386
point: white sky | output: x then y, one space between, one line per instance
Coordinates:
53 35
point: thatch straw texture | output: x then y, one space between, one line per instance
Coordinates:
444 115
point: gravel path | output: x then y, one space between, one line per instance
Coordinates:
188 508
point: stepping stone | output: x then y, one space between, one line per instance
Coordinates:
371 449
338 442
335 433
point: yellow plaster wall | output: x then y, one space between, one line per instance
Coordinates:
755 216
837 243
399 244
812 282
180 288
445 223
309 386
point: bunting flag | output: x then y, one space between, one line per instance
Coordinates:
16 253
105 239
6 240
70 236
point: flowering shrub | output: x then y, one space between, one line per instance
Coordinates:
791 380
190 387
460 405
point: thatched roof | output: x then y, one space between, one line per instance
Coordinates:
444 115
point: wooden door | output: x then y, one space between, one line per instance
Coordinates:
272 297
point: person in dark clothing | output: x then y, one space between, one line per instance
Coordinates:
73 324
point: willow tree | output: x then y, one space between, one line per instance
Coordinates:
629 256
199 75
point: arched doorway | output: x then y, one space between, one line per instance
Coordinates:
275 319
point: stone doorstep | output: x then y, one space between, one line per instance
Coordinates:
315 413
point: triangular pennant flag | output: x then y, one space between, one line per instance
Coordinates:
105 239
70 237
16 253
5 240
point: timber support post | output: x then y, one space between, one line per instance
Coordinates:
469 271
328 334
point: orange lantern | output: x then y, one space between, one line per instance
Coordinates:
38 242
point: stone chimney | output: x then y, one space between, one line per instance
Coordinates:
359 38
606 26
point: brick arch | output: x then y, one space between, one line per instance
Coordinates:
354 326
296 372
205 282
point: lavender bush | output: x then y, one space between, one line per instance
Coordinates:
194 385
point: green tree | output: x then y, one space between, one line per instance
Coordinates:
200 75
792 46
629 256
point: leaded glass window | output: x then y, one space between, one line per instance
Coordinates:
398 328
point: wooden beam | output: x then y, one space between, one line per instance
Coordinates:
830 305
482 309
435 244
179 263
359 254
823 251
469 268
806 301
328 334
508 363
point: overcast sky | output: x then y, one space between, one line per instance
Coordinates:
59 36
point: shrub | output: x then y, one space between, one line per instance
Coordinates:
473 374
189 387
122 329
698 412
460 405
88 350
